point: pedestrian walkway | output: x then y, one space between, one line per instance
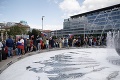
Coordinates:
10 60
6 63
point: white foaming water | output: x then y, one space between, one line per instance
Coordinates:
110 39
113 41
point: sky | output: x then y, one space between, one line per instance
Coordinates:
55 11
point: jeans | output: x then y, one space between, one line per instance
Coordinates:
18 51
39 46
28 48
10 49
47 46
65 45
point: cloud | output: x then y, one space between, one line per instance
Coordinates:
72 7
69 7
89 5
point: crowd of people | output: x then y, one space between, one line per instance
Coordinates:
21 46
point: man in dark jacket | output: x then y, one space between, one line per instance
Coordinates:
9 44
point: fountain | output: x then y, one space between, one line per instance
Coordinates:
113 41
113 38
110 40
70 64
117 42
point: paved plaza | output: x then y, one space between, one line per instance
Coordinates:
67 64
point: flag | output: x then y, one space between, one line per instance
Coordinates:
71 35
43 34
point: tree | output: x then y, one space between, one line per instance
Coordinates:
36 33
30 34
17 30
54 37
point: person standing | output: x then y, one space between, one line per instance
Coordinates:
47 43
22 45
25 45
39 44
4 53
1 45
70 42
28 45
10 44
60 43
18 47
65 42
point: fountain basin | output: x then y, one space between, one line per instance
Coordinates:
70 64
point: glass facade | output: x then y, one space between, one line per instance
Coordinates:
93 22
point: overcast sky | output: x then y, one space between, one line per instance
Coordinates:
55 11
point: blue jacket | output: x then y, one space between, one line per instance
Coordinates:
9 42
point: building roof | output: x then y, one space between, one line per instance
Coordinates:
2 24
5 27
46 30
106 8
25 26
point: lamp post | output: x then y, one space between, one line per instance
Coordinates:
42 22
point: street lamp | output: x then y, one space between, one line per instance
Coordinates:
42 21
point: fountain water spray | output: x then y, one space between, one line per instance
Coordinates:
113 40
117 42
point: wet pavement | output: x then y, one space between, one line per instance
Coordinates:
64 65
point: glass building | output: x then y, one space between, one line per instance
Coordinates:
94 22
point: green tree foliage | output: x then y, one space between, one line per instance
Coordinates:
17 30
54 37
36 33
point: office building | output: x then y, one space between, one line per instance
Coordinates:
95 22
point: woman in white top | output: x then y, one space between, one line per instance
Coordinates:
22 46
